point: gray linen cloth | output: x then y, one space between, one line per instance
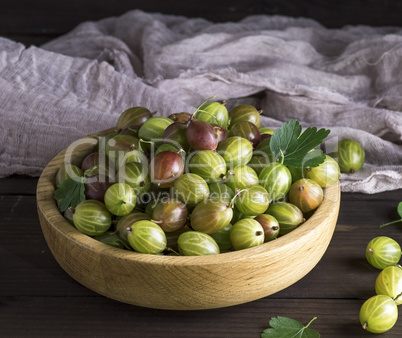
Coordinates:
348 80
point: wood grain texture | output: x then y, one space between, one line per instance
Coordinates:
37 298
57 317
40 21
182 283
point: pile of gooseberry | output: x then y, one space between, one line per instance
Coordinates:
379 313
192 184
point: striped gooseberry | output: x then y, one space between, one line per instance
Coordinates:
246 233
176 134
120 199
306 194
208 164
66 172
170 214
146 237
389 283
247 130
276 179
191 189
220 191
325 174
378 314
252 200
270 225
201 135
211 215
382 252
287 214
133 117
214 113
153 128
351 156
182 117
136 175
235 150
165 168
122 149
92 218
245 112
126 221
196 243
241 176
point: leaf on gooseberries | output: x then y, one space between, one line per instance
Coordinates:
70 192
291 147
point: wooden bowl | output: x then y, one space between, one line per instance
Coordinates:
177 282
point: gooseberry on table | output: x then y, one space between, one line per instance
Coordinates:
383 251
378 314
389 283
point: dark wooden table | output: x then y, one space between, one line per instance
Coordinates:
38 299
35 22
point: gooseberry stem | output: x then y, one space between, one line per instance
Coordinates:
231 204
199 108
384 225
181 150
141 140
172 250
90 171
145 141
396 298
282 156
311 322
214 117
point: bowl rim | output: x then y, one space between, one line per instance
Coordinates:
47 207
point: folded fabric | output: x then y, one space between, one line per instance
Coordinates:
347 80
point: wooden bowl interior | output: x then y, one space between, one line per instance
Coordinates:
176 282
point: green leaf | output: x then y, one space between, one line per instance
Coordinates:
283 137
293 148
399 209
282 327
70 193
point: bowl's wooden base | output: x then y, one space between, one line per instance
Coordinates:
184 283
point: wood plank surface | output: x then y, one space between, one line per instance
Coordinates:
97 317
35 22
34 290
